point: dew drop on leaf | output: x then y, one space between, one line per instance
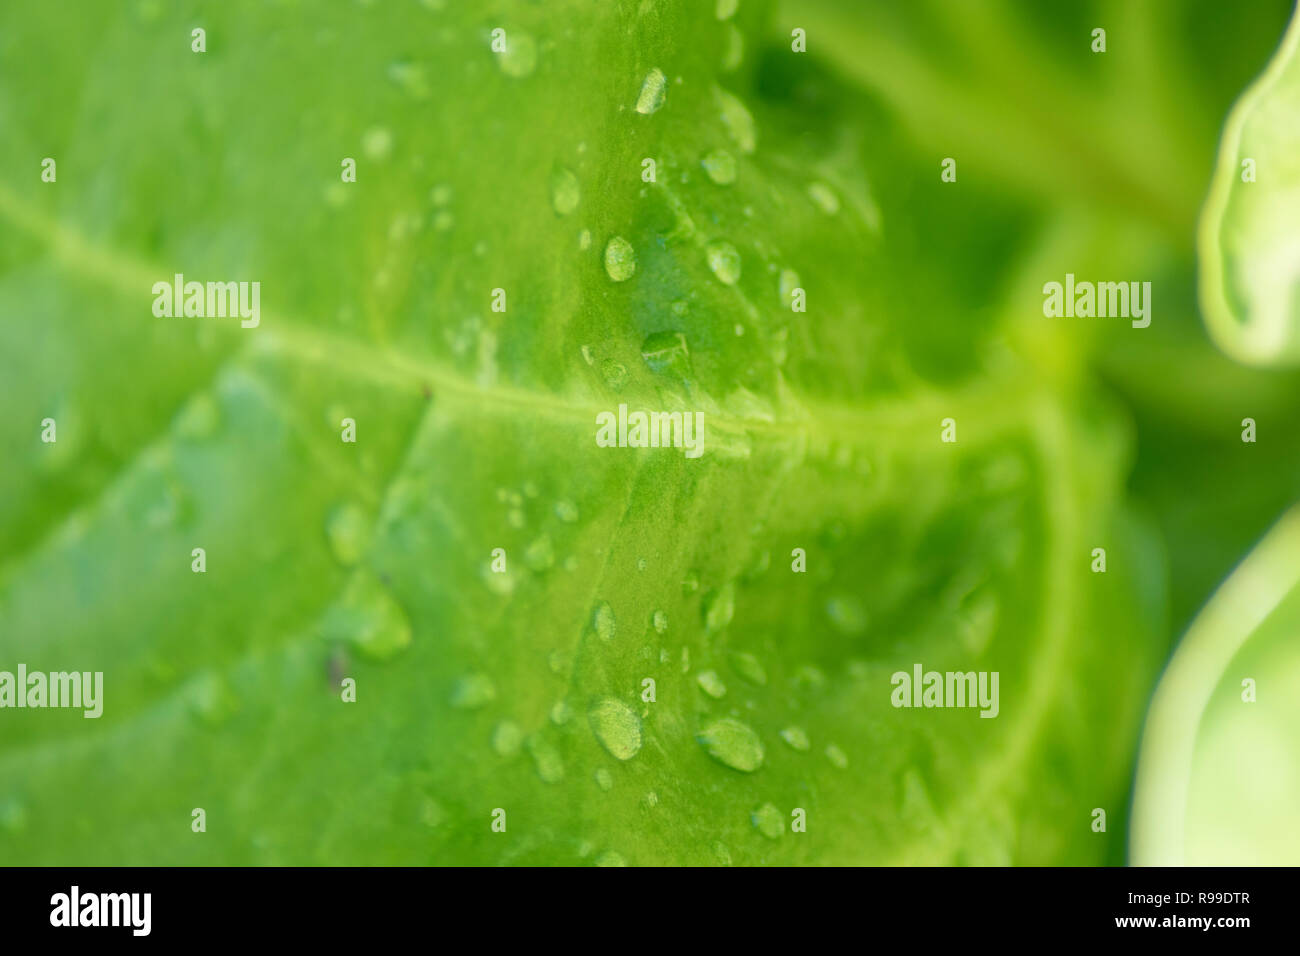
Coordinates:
616 726
796 737
719 607
507 738
836 756
614 374
653 90
724 261
711 684
847 614
660 621
604 779
566 511
768 821
565 194
749 667
721 167
546 759
737 120
610 858
620 259
824 197
602 621
473 691
733 744
369 618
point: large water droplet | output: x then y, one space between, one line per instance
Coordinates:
369 617
732 743
721 167
768 821
616 726
565 193
620 259
348 530
653 90
602 621
724 261
520 55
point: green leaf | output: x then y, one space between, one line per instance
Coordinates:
1220 755
523 690
1250 256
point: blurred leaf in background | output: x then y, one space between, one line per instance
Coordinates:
524 170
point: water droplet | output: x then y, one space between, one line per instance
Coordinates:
733 48
732 743
546 759
620 259
520 55
410 77
660 621
721 854
566 511
473 691
540 555
200 418
748 667
507 738
719 607
653 90
584 239
725 9
440 195
377 143
737 120
369 617
836 756
602 620
641 564
808 678
666 354
691 583
614 373
443 220
711 684
789 282
847 614
616 726
824 197
604 779
348 530
724 261
610 858
797 738
768 821
561 713
565 193
721 167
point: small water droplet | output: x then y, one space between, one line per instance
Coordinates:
660 621
691 583
440 195
768 821
797 738
566 511
443 220
540 555
733 744
546 759
377 143
602 621
721 167
348 530
836 756
473 691
369 617
584 239
604 779
616 726
614 374
565 193
610 858
507 738
520 55
651 800
719 607
749 667
653 90
737 120
725 9
561 713
789 282
412 78
733 48
711 684
847 614
721 854
724 261
824 197
620 259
